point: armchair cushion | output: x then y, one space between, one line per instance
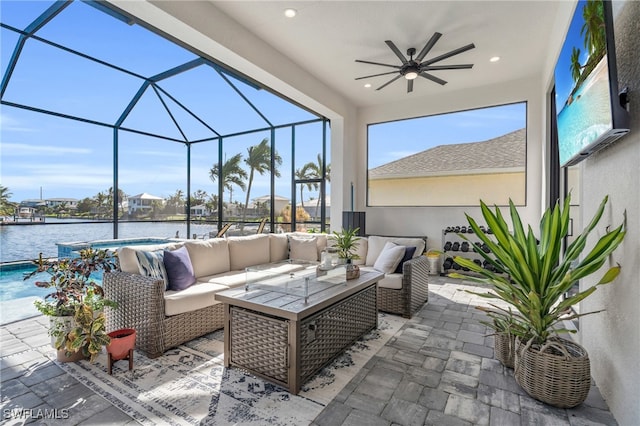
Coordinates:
408 255
389 258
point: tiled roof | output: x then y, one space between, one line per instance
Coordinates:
504 153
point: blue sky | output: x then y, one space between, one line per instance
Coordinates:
563 79
65 158
394 140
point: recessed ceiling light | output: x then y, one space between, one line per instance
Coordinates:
494 59
290 13
367 85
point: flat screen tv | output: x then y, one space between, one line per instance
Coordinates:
590 111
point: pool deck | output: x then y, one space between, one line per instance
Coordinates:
437 370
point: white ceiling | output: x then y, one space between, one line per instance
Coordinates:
326 37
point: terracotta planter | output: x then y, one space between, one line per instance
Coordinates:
504 348
123 342
557 373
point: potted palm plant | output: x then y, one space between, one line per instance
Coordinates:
74 292
532 275
347 241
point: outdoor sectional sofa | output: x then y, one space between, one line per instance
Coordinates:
166 318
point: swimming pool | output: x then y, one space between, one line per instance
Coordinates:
17 294
71 249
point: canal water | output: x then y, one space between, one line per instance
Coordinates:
25 242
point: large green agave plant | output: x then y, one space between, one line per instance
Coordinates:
532 274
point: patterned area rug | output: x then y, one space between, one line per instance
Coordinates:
190 385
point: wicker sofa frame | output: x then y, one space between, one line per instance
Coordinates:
141 306
414 292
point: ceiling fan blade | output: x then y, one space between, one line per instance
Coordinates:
447 67
378 63
396 51
432 78
427 47
409 86
376 75
450 54
389 82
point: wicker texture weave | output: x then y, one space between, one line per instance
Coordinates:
504 348
414 292
260 343
141 307
336 328
559 374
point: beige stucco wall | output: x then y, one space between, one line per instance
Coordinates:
612 337
455 190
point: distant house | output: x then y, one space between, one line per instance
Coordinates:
457 174
69 203
142 202
313 207
200 210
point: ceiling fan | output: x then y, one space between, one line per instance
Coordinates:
412 67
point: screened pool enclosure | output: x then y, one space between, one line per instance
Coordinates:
127 126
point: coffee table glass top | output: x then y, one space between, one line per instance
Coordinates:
294 277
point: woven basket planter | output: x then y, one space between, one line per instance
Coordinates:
504 348
558 373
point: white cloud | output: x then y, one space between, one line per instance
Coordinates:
23 149
8 123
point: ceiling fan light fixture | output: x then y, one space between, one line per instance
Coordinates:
411 75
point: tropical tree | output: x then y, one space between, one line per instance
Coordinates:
315 172
259 160
575 67
305 173
175 202
121 197
231 174
593 29
101 201
6 207
199 197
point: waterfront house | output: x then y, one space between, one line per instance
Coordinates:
143 203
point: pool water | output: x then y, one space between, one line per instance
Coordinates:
17 294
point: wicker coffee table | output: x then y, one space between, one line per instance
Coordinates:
273 333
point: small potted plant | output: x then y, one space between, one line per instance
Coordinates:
74 292
347 242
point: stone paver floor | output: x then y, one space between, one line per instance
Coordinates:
437 370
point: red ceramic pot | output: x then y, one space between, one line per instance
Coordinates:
122 341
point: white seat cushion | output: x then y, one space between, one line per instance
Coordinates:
198 296
392 281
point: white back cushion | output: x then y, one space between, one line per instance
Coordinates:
128 259
303 248
376 244
279 247
248 251
389 258
208 257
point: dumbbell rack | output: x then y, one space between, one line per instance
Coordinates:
455 248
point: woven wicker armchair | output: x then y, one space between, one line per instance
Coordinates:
414 292
141 306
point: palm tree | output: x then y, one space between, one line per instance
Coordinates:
315 172
304 173
259 160
176 201
232 174
575 64
593 28
5 205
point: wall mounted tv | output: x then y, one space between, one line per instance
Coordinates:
591 112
